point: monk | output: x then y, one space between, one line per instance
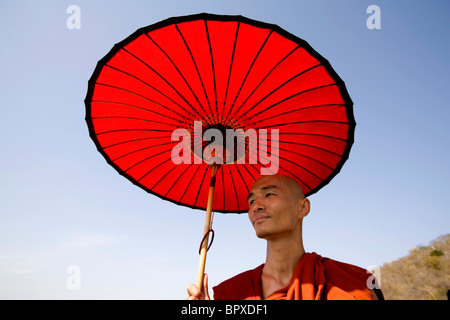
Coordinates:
277 207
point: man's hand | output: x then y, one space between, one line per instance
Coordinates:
194 292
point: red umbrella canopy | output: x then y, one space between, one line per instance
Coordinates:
176 96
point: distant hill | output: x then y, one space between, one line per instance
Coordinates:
424 274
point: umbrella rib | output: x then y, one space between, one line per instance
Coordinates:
195 65
168 83
300 166
146 148
258 172
242 178
269 73
212 68
288 170
248 72
307 121
173 184
200 188
132 129
308 157
279 87
131 118
150 86
231 67
134 93
148 172
190 181
305 156
134 140
248 171
164 175
290 97
140 108
299 179
300 109
235 192
312 134
145 159
312 146
180 73
253 167
296 177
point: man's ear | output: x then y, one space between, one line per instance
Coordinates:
304 207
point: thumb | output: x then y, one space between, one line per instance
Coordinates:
205 287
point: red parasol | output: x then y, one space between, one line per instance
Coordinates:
239 96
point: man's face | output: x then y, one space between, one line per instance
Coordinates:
273 207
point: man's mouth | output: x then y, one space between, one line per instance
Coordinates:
260 217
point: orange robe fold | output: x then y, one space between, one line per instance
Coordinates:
314 278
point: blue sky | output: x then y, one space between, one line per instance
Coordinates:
61 204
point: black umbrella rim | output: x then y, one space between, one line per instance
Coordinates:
215 17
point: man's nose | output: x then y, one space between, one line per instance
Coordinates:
258 205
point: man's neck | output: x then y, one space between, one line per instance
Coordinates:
283 254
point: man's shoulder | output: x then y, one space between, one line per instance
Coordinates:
343 267
238 287
345 277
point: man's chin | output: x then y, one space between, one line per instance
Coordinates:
262 234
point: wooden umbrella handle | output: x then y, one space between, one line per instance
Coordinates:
204 246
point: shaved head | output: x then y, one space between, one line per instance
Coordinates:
292 184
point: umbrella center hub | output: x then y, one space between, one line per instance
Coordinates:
220 144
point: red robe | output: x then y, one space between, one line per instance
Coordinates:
314 278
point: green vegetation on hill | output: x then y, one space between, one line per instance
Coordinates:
424 274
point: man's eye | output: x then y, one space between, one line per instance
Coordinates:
269 194
251 202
